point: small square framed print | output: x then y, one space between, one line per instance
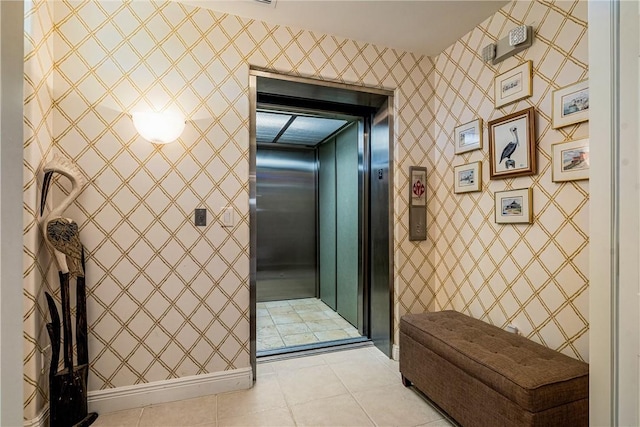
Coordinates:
514 206
468 137
467 178
570 160
513 85
570 104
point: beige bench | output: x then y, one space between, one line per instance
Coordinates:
484 376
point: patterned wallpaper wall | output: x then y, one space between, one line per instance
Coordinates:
534 276
169 299
38 131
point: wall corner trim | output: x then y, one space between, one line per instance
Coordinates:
136 396
395 352
41 420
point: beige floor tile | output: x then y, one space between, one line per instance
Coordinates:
269 418
295 363
281 310
300 339
126 418
313 315
268 343
311 308
265 394
337 334
353 333
332 411
306 384
280 319
264 321
396 405
348 355
267 331
322 325
184 413
364 374
262 312
264 369
292 328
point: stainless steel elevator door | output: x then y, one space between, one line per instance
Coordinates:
381 231
286 224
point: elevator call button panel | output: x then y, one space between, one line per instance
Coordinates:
418 203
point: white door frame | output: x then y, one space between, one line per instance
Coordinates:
614 213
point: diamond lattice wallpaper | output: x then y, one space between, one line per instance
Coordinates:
534 276
168 299
38 131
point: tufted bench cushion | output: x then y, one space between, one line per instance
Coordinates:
529 376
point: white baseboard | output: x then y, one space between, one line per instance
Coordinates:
42 420
136 396
395 352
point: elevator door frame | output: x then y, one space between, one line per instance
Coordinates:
358 96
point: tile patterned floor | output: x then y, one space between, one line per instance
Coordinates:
360 387
297 322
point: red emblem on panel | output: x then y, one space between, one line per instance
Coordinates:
418 188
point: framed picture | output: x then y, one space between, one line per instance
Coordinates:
512 145
570 160
514 84
570 104
468 137
467 178
514 206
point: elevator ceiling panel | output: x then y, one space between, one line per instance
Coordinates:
293 129
269 125
310 130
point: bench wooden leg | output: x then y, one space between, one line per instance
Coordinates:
405 381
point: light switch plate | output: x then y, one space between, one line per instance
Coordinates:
228 218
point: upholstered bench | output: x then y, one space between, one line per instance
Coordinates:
484 376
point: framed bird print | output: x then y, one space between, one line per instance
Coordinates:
514 206
512 145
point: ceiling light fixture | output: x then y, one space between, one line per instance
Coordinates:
159 128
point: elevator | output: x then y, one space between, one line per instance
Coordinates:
321 211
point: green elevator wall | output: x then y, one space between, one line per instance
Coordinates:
339 224
327 222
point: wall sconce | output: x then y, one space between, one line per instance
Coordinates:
159 128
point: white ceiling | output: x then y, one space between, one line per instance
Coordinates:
420 26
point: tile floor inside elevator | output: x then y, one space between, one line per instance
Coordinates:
297 322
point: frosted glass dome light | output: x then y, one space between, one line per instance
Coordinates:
159 128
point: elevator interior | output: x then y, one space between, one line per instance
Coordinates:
318 220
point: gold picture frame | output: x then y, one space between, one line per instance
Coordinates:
570 104
570 160
514 206
513 85
467 178
512 145
468 136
